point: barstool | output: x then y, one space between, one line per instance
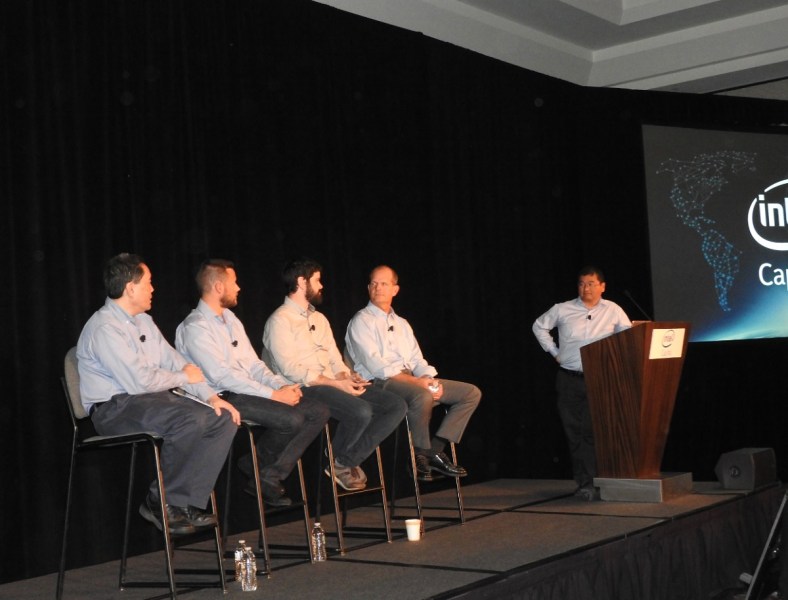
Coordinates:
337 494
263 547
416 486
85 440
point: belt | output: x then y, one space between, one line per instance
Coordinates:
573 373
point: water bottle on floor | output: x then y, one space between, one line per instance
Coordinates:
249 581
239 560
318 543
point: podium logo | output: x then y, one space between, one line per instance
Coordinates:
668 338
768 217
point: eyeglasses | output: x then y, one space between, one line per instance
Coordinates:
587 284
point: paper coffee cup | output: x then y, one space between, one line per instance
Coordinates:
413 527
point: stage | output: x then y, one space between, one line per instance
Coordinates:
525 539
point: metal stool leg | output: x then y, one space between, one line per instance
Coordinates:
460 506
417 487
219 543
414 474
227 495
383 500
263 546
307 520
165 523
334 492
62 568
393 472
339 516
262 542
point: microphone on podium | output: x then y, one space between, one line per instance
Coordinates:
640 308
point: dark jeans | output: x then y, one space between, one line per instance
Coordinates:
288 431
364 421
576 418
196 441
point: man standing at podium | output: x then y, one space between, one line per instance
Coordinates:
579 322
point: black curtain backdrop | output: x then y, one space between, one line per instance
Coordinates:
260 131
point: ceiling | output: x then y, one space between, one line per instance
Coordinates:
736 47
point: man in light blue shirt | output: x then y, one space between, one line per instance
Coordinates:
127 370
214 338
579 322
383 348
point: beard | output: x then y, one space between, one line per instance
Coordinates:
228 301
313 297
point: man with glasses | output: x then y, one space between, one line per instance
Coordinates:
383 348
579 322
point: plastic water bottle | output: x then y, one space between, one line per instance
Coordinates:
318 543
240 564
249 581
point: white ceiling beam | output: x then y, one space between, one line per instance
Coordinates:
731 45
622 12
483 32
728 46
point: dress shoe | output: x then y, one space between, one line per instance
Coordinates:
150 510
273 492
440 462
423 471
198 517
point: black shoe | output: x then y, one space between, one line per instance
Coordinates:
440 462
150 510
197 517
423 471
273 493
587 493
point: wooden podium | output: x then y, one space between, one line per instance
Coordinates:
632 378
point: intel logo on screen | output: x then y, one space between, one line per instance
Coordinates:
767 217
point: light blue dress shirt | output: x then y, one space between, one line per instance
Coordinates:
382 345
218 344
118 353
578 326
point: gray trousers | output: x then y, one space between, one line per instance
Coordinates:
461 398
195 446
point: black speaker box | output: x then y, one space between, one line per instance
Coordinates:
746 469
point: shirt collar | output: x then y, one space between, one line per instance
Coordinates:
379 312
580 304
209 313
291 305
118 311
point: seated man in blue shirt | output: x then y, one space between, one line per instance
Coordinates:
214 338
126 370
383 348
